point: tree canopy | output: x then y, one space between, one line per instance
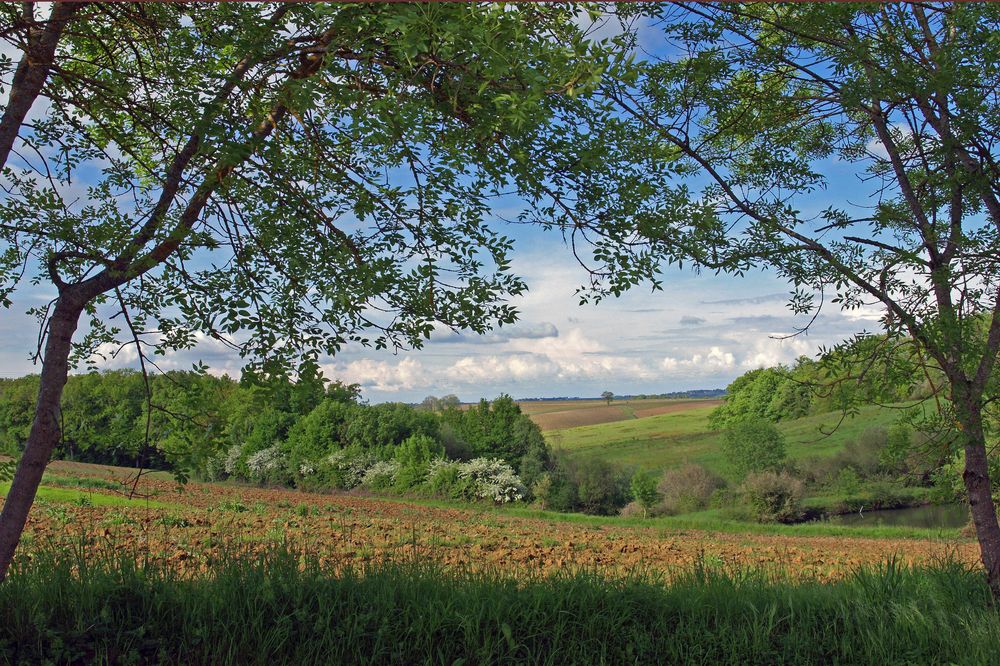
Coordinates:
747 107
281 179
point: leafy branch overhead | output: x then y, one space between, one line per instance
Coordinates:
285 179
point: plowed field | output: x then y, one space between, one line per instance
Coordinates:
202 521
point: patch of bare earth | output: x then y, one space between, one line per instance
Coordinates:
211 520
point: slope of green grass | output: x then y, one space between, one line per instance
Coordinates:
669 440
53 494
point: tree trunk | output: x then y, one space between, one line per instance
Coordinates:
30 75
978 488
44 433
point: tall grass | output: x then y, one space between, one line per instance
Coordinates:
282 607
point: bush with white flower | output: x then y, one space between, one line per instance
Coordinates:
349 467
493 479
380 475
232 460
265 464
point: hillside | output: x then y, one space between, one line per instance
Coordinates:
682 435
563 414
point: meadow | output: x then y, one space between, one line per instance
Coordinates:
563 414
682 435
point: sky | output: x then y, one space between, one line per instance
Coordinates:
700 332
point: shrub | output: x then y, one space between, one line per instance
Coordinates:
602 489
633 510
643 486
558 492
414 456
818 469
380 475
687 488
848 481
754 445
347 467
493 479
231 464
533 464
442 478
865 453
267 466
772 496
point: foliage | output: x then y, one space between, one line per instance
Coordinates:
644 490
492 479
754 445
381 475
496 428
597 487
813 387
414 457
773 496
246 430
687 488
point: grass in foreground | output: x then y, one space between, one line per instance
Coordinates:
283 608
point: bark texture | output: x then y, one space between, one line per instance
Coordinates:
978 488
32 71
44 433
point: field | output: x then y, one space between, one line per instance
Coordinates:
234 574
562 414
682 435
193 526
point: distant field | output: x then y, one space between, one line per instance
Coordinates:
681 436
561 414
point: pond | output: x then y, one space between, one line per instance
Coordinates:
930 516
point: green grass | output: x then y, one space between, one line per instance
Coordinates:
660 442
281 607
710 520
74 495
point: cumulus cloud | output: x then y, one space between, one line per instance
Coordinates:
409 373
713 361
688 320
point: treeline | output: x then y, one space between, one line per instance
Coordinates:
883 467
862 376
311 434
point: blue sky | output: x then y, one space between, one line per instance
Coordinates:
700 331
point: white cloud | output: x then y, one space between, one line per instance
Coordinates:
383 376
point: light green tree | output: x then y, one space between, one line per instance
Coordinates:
282 179
643 486
749 106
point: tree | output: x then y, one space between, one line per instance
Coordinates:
281 180
754 445
744 108
607 396
644 491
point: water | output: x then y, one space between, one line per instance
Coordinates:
931 516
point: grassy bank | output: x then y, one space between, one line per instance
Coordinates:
86 495
709 520
669 440
282 608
